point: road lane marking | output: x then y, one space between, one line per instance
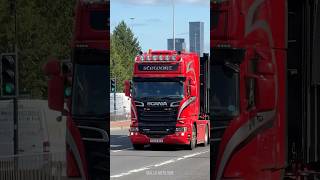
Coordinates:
123 136
158 164
113 146
119 150
165 162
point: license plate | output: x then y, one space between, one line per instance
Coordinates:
156 140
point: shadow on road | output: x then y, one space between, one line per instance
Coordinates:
122 142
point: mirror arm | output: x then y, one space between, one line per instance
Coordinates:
252 76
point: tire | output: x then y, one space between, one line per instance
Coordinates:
138 146
206 138
193 141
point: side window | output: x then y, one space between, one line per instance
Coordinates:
99 20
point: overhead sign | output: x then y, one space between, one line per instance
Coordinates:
158 67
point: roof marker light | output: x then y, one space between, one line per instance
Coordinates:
160 58
154 57
173 58
142 58
167 57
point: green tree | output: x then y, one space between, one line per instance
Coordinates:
44 29
124 48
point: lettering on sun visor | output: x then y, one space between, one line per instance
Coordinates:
152 67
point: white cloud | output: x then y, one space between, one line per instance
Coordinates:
163 2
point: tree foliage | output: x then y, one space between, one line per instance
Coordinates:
44 29
124 48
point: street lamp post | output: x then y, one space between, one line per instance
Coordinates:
132 18
173 39
195 42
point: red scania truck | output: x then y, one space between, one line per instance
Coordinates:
79 93
264 95
169 99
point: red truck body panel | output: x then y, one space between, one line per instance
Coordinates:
253 144
251 148
87 35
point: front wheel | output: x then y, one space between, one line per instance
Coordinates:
193 140
206 137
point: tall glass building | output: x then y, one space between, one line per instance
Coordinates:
196 37
179 44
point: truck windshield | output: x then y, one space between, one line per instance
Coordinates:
225 91
157 89
89 97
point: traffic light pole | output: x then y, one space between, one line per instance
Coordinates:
15 123
15 99
114 96
15 105
10 89
113 89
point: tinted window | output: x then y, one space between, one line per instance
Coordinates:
99 20
157 89
90 83
225 91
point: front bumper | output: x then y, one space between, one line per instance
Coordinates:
178 138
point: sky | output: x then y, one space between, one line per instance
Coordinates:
151 20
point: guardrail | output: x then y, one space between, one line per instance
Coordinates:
45 166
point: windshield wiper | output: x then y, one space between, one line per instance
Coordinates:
145 97
159 97
172 96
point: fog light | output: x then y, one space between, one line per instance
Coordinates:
134 129
182 134
181 129
131 133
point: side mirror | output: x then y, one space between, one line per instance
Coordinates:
193 91
52 67
265 94
55 93
55 84
265 68
192 82
127 87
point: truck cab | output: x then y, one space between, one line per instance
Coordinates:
79 90
165 100
265 68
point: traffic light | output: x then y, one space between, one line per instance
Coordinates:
8 72
113 85
66 66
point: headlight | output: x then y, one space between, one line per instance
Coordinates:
181 129
134 129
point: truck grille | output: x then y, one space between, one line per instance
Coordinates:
154 115
157 121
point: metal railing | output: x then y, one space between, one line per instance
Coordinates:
45 166
120 117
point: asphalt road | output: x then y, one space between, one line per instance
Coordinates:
161 163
